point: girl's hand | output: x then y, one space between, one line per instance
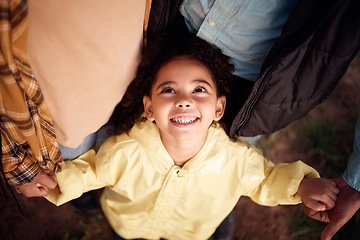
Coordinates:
39 186
319 194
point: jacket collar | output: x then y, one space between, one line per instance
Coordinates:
147 134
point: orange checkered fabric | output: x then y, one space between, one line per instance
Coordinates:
27 132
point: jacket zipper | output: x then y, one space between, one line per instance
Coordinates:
244 116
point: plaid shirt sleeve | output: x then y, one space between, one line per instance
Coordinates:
27 132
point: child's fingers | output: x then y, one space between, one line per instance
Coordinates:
329 202
334 188
322 203
315 205
329 192
332 195
51 174
330 185
47 181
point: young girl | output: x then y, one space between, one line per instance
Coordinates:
177 175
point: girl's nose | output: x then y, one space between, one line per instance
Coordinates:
183 102
183 105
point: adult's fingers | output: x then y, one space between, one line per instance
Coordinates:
40 185
317 215
32 190
331 229
348 202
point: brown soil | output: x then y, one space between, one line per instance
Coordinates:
42 220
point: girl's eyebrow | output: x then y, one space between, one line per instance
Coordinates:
202 81
172 82
165 84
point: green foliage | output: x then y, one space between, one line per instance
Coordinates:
305 228
326 146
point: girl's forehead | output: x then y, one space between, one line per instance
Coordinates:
182 68
185 59
184 64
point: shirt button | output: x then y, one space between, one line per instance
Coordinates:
212 24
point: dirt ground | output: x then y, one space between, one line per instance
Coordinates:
42 220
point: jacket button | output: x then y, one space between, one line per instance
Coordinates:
212 24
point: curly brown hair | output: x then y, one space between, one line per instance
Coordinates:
129 110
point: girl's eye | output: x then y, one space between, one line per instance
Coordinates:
200 89
168 90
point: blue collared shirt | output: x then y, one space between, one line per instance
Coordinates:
352 173
245 30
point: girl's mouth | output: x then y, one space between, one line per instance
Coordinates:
184 119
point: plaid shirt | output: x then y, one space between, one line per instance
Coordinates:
27 132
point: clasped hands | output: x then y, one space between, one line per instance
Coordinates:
347 203
39 186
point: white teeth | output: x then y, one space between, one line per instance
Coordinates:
184 120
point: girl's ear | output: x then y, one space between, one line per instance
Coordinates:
148 108
220 108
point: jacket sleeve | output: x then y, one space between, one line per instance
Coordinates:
27 133
92 170
80 175
352 172
281 183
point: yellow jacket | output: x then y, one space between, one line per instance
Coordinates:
147 196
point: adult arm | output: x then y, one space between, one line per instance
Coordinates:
352 174
27 132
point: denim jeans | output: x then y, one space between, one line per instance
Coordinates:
352 173
96 138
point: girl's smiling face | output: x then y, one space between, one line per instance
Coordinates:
183 99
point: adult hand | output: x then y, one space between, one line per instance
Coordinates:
348 202
39 186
